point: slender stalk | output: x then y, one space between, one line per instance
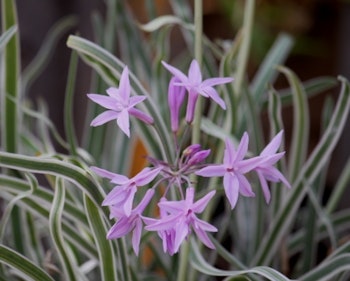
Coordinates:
198 22
245 47
68 104
183 273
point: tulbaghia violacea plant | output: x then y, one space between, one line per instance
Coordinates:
207 199
176 201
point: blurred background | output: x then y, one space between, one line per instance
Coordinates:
321 29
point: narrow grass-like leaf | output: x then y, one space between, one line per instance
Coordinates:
7 211
6 36
10 117
67 261
104 246
17 187
301 121
267 73
276 125
44 121
314 208
20 263
33 239
199 263
328 269
307 174
339 188
68 105
129 33
312 88
42 58
340 222
242 58
9 80
54 167
159 22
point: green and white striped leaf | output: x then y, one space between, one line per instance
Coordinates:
49 166
200 264
104 247
301 124
267 72
24 266
67 261
6 36
328 269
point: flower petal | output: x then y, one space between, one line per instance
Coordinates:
173 207
244 186
129 200
124 86
194 73
273 146
144 202
231 186
242 147
212 171
245 166
265 188
120 229
102 172
191 105
200 204
203 236
123 122
136 236
216 81
176 72
146 175
213 94
120 179
104 101
135 100
181 232
116 196
165 223
104 117
141 115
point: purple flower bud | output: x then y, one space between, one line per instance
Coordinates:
192 149
176 95
198 157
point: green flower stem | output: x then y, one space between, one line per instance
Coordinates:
183 273
198 23
245 47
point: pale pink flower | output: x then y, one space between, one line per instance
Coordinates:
265 169
233 170
133 222
119 105
122 195
181 219
195 86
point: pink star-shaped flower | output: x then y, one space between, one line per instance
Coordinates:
122 195
119 105
133 222
265 169
233 169
180 219
195 86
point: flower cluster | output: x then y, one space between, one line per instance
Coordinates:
178 208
